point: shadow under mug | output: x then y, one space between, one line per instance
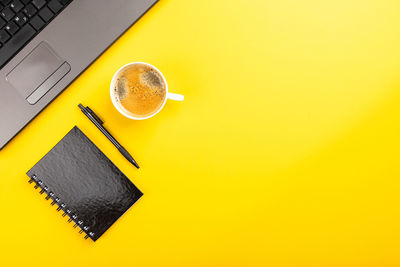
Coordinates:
169 95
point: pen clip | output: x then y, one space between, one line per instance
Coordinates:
95 116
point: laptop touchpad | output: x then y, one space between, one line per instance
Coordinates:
38 72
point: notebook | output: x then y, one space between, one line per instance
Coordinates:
84 184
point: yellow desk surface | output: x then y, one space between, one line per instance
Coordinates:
285 151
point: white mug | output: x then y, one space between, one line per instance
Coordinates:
168 95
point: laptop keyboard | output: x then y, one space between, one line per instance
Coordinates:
21 20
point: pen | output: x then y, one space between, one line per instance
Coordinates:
99 124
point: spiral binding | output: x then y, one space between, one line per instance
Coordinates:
61 206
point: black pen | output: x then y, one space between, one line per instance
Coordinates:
99 124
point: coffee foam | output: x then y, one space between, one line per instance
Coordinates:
140 90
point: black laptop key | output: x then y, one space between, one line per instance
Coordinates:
55 6
25 2
5 2
20 19
2 23
4 36
12 28
16 43
37 23
46 14
65 2
39 3
30 10
7 14
16 6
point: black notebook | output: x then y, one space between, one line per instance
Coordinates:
84 184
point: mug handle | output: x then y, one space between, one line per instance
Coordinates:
175 97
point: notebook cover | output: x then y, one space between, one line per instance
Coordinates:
84 183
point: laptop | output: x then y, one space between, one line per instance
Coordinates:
46 44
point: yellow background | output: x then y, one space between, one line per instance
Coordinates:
285 151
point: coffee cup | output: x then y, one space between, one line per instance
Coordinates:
139 91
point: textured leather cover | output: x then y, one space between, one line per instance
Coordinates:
84 183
